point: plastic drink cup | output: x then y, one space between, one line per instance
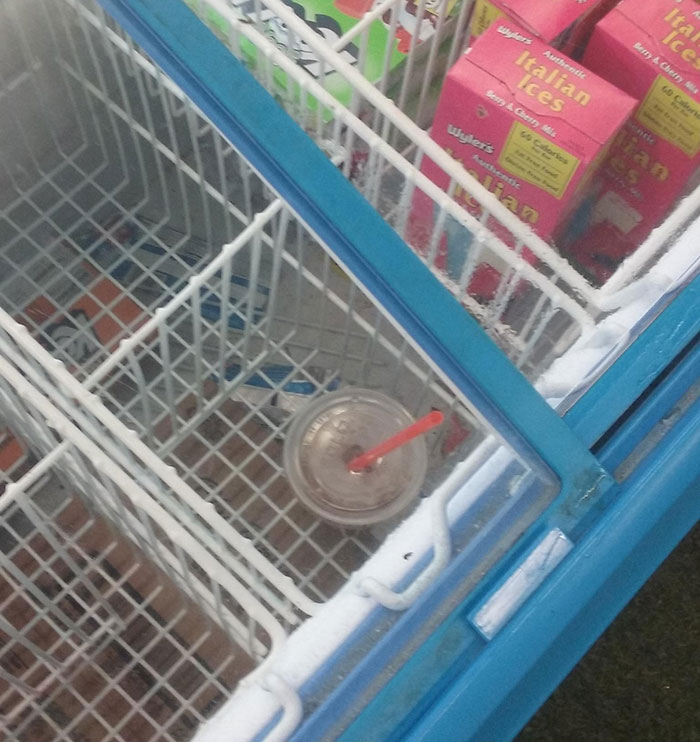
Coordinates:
333 430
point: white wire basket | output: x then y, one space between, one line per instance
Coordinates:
100 641
163 316
370 107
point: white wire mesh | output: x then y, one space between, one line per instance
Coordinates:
367 95
529 316
156 371
188 523
116 142
97 641
204 353
102 200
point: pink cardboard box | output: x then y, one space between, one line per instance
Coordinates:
650 49
529 124
564 24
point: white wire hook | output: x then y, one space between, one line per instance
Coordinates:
292 707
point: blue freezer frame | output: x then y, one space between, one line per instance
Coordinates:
453 685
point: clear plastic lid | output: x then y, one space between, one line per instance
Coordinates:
333 429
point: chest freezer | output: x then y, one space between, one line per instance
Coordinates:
205 237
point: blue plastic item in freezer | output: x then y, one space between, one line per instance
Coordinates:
168 263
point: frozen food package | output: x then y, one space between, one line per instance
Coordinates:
531 126
651 50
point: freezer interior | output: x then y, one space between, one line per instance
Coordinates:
166 317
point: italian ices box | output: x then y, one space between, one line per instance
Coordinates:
528 123
651 49
565 24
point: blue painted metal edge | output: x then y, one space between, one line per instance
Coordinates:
496 695
632 373
658 404
263 133
655 407
383 651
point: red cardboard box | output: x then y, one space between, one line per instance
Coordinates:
650 49
529 124
564 24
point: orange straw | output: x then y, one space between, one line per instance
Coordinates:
366 459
